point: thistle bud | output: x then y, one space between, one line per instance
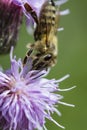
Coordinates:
10 20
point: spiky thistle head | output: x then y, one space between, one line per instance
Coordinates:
10 20
27 98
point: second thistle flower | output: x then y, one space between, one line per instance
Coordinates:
10 20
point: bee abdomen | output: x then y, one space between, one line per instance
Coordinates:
47 21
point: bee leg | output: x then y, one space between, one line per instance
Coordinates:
31 48
26 57
29 45
31 12
40 65
52 2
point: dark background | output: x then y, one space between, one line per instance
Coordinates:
72 59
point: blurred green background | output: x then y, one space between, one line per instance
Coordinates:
72 59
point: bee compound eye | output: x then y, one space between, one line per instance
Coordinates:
47 57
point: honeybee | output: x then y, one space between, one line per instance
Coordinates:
44 51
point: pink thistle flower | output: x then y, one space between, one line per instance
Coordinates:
10 20
27 98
